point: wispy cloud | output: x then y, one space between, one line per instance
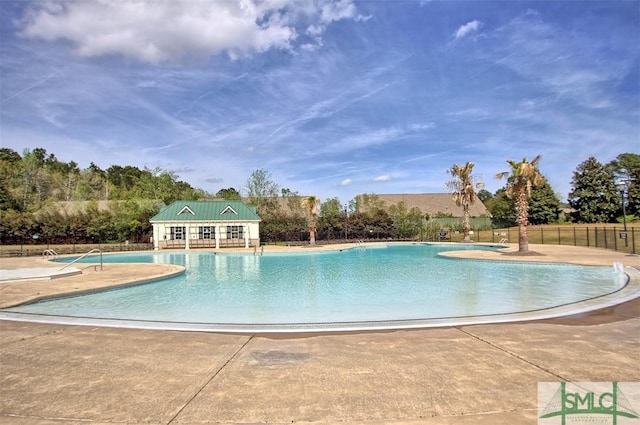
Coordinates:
377 137
329 101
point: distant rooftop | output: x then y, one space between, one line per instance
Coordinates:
433 203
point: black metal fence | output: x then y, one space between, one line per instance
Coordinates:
34 250
607 237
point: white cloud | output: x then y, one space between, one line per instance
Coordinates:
177 30
422 126
346 182
467 29
383 178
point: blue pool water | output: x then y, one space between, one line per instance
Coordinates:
399 282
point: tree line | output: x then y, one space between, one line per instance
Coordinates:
62 203
596 197
57 201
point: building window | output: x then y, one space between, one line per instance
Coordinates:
206 232
234 232
178 233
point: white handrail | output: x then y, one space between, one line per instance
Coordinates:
84 255
51 252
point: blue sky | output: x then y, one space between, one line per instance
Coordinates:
333 98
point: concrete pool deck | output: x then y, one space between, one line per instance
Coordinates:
478 374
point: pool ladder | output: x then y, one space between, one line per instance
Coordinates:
503 241
360 243
49 252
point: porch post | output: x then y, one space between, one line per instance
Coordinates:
246 236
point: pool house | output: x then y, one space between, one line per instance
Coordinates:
206 224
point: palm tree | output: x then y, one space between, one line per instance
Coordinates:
311 202
463 187
522 177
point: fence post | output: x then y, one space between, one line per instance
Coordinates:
559 240
595 230
633 240
588 241
542 235
615 240
575 242
606 243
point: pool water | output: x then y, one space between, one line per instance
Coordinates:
398 282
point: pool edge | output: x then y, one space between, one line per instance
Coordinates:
629 292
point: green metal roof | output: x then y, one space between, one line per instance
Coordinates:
207 211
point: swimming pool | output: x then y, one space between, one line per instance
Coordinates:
397 285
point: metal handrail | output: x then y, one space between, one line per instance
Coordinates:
51 252
84 255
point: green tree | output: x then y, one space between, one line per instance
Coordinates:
523 176
368 202
17 227
484 195
91 184
626 167
262 192
502 209
398 213
364 225
544 205
230 194
331 220
51 222
34 178
378 223
593 197
408 224
10 162
261 185
463 187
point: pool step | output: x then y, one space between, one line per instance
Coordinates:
36 273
